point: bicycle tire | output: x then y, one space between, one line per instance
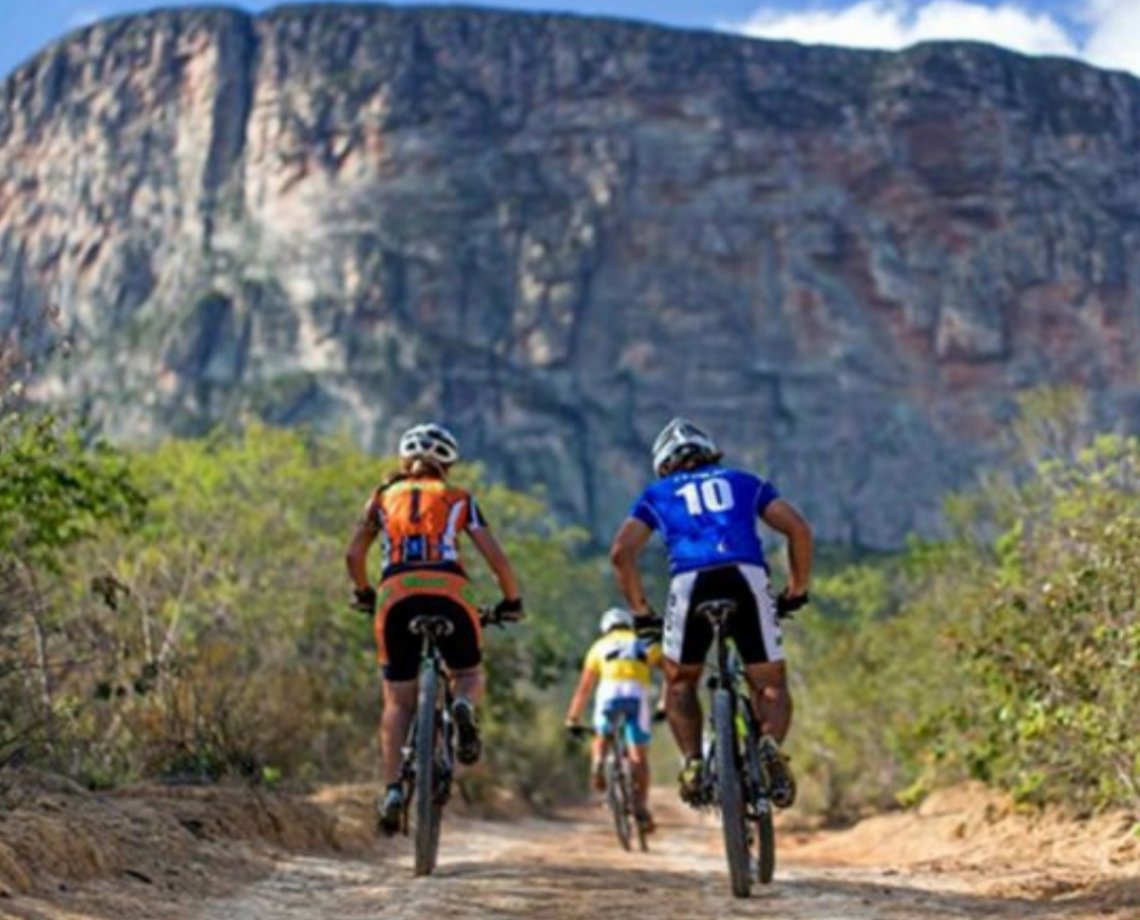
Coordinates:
757 785
625 771
616 799
642 840
427 809
766 847
736 848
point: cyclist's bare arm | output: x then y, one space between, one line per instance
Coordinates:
357 556
581 696
781 516
500 565
628 543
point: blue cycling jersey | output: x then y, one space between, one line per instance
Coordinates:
707 517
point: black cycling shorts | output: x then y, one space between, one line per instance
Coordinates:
753 628
402 649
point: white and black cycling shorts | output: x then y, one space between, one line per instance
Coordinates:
753 628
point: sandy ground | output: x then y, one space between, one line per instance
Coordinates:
964 855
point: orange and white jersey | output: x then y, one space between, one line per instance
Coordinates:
420 519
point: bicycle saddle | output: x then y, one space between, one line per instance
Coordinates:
431 625
717 611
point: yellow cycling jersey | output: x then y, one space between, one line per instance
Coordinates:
621 656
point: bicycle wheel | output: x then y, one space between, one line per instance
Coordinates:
642 840
731 801
427 808
761 805
765 845
625 771
616 797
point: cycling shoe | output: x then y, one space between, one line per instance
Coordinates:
390 811
470 745
782 780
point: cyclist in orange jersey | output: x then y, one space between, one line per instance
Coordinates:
419 517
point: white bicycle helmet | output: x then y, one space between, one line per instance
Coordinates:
616 618
429 442
678 441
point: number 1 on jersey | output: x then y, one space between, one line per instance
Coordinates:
710 495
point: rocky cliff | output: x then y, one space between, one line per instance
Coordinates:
554 233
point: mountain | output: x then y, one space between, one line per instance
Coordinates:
555 233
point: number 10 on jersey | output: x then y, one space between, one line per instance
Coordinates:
710 495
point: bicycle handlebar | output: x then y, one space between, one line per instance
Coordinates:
489 616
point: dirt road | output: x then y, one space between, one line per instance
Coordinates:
572 869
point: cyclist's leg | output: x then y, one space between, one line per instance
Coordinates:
683 706
758 640
686 642
399 654
602 730
597 762
470 684
768 683
396 719
637 728
400 658
757 635
463 654
771 700
639 760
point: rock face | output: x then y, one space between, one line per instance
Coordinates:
555 233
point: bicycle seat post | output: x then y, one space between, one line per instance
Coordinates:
718 613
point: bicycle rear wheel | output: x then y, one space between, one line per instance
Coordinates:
766 847
617 797
427 808
628 793
733 821
642 840
757 786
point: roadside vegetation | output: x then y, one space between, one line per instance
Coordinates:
180 612
1008 652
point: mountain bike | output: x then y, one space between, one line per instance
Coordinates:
618 772
736 778
428 756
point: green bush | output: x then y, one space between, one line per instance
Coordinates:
1010 651
1053 654
55 492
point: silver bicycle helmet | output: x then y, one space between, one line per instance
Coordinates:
429 442
679 441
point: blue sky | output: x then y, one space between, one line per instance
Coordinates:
1105 32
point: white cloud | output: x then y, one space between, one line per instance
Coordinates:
1113 36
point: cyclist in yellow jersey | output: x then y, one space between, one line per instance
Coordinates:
619 666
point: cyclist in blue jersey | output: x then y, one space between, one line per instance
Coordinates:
706 514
